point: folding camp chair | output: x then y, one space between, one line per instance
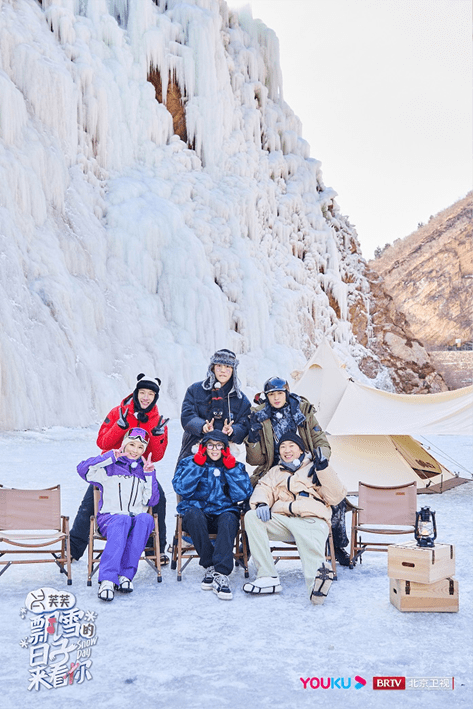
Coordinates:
39 510
286 551
97 543
381 510
182 547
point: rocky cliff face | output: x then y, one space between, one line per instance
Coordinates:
429 276
387 350
381 328
456 366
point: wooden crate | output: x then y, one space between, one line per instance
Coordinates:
438 597
420 564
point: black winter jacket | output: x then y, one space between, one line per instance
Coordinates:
197 409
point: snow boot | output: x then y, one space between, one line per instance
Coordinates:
322 582
106 591
124 585
263 585
342 556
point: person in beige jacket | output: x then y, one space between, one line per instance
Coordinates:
280 411
292 502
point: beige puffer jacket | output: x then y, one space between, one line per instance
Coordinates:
293 494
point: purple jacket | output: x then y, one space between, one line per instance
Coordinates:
125 488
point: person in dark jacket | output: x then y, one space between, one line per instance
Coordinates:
128 485
279 412
217 403
138 409
212 487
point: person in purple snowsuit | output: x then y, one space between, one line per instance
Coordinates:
128 485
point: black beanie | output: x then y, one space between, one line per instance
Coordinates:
215 436
292 436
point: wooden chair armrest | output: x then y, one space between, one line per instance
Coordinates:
353 508
351 505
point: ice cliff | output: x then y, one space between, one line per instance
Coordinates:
126 248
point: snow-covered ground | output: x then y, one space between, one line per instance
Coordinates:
172 645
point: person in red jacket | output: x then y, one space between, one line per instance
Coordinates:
137 410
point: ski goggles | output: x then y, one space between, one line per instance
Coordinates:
136 434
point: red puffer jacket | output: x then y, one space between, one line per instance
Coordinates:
111 435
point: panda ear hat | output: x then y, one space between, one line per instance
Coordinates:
145 382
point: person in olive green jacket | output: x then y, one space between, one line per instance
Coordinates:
281 412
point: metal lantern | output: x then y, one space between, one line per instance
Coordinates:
426 527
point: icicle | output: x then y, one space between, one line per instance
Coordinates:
13 116
123 243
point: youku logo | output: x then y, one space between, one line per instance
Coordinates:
333 682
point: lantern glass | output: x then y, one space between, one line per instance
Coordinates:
425 528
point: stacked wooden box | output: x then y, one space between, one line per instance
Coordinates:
421 578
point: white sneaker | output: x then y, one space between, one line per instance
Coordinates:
124 585
221 587
265 584
106 590
208 579
322 582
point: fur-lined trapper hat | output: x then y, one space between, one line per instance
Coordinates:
222 357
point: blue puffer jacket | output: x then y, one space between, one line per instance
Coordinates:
197 409
210 487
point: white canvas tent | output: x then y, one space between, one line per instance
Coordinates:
371 431
363 409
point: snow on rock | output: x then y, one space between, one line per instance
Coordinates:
125 249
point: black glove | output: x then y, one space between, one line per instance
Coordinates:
243 505
263 511
313 474
255 428
320 461
122 422
158 430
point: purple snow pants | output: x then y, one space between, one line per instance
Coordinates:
126 538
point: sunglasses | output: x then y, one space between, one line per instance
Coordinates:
215 446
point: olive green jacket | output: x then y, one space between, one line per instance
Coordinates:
261 453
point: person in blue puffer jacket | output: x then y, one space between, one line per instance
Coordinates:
212 487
